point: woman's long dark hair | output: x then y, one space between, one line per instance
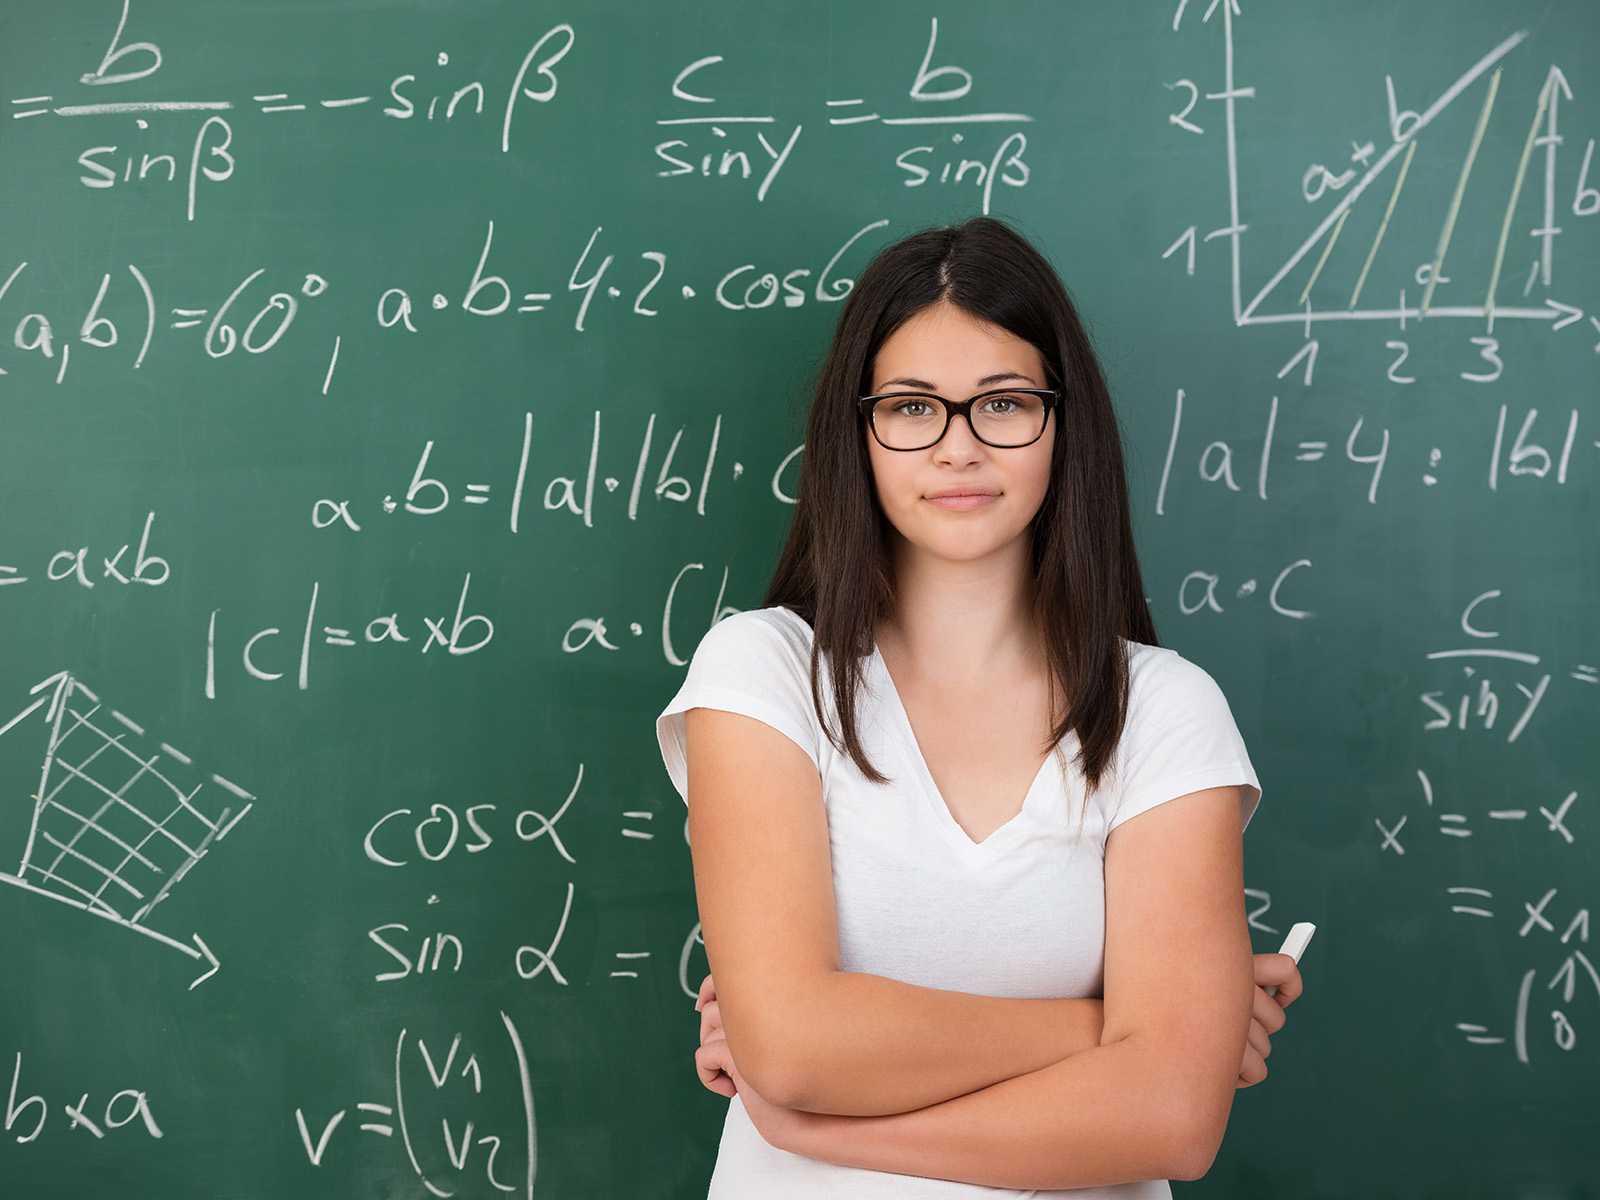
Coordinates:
836 571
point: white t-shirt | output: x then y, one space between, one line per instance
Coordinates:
1020 914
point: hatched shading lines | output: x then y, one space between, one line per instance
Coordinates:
1383 226
78 854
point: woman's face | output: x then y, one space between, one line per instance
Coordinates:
946 350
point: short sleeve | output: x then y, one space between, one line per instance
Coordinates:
1180 737
756 663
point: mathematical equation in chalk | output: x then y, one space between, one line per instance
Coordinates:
1577 970
125 61
706 146
252 319
1555 815
1551 451
450 1088
1477 707
1473 902
77 565
29 1115
466 631
1004 159
429 492
420 948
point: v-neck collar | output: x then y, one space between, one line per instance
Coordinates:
944 819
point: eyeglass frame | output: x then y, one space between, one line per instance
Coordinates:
962 408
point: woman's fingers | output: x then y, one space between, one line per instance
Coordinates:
1265 1009
1254 1069
1257 1046
1281 970
1259 1041
709 1062
712 1077
710 1055
706 992
710 1021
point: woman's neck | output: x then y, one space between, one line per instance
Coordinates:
963 621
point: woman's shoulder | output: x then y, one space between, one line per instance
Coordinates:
779 617
1160 680
775 625
755 662
758 641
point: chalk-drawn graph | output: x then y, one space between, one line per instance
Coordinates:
1295 305
112 830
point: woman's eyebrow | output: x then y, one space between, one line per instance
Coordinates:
984 382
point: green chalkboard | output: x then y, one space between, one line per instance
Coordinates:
393 395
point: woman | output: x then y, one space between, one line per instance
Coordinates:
976 969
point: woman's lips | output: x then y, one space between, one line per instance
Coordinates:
961 502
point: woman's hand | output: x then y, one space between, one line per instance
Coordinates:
1266 1015
713 1073
777 1126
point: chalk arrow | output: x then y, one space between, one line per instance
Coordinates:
55 688
1573 314
1556 80
204 951
1567 976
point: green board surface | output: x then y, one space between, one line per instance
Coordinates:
394 394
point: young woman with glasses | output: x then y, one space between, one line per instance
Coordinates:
966 840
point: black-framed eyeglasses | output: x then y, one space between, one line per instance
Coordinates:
1005 418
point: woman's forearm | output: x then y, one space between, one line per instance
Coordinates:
867 1045
1114 1114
